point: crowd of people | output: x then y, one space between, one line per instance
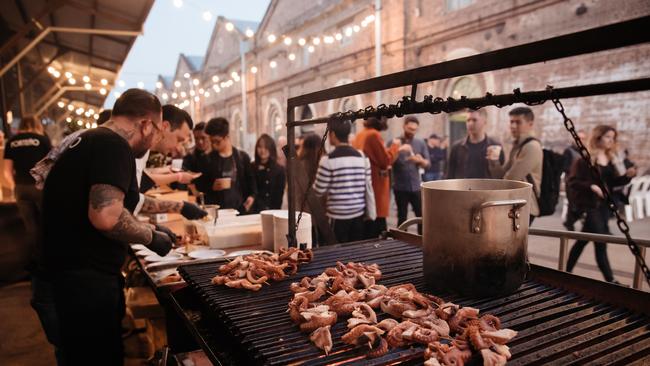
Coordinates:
79 200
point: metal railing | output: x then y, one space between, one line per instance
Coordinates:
565 236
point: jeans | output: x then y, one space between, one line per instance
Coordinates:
43 303
429 176
29 203
373 229
348 230
90 307
597 222
402 199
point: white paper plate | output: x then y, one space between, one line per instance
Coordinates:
138 246
145 253
171 256
245 252
206 253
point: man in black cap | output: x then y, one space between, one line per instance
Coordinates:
88 200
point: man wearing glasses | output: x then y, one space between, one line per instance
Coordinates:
88 200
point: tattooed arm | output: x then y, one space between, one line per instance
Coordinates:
152 206
107 214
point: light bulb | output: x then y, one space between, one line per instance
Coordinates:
201 90
215 78
102 91
315 41
68 74
104 82
79 123
338 36
311 49
159 85
234 74
356 29
186 75
302 41
174 95
96 116
348 31
69 119
328 39
192 93
178 3
140 85
249 33
50 69
195 81
271 38
70 107
85 78
87 86
87 125
207 16
183 94
61 104
165 96
230 27
273 64
207 94
93 125
177 84
121 83
72 81
292 56
287 41
254 69
196 98
370 18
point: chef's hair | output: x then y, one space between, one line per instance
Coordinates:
176 117
136 103
411 119
523 111
218 127
199 126
104 116
340 129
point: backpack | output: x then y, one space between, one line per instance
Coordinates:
549 190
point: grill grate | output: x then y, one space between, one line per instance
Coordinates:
555 326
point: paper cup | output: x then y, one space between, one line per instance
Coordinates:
281 226
267 228
177 165
493 152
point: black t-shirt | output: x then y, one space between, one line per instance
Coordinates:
25 150
476 164
99 156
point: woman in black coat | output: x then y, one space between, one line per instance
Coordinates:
588 198
269 175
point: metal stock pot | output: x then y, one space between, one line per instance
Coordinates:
475 235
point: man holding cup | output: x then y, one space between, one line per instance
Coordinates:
526 157
469 157
229 182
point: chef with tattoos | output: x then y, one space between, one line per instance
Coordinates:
88 200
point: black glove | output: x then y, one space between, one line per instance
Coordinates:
192 212
167 231
161 243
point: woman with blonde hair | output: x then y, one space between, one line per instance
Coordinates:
588 197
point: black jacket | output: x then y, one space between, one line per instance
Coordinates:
458 159
242 187
580 181
270 180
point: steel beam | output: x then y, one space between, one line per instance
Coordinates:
48 30
617 35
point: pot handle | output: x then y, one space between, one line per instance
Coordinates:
410 222
513 214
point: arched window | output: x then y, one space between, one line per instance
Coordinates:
276 122
306 113
349 104
465 86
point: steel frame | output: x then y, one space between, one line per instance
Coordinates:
626 33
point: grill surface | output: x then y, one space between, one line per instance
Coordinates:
555 326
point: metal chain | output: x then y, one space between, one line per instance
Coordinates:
309 186
622 225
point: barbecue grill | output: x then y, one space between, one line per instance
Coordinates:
561 318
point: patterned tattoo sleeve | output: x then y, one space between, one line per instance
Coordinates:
127 229
153 206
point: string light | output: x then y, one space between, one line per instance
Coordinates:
104 82
310 49
271 38
186 75
201 91
291 57
254 69
195 81
338 36
177 84
69 119
192 92
196 98
249 33
61 104
70 107
117 94
273 64
79 123
215 79
178 3
207 16
72 81
85 78
96 116
287 41
230 27
207 94
140 85
316 41
348 31
165 96
328 39
87 86
102 91
183 94
68 74
159 85
174 95
356 28
121 83
93 125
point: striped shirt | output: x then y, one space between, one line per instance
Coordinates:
342 177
